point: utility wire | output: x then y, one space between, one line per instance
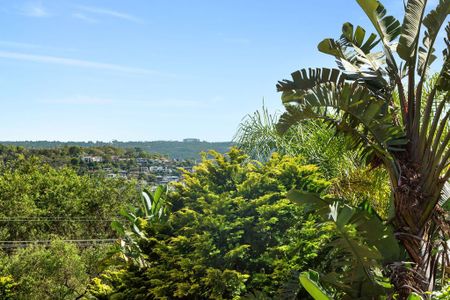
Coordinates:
34 219
23 244
48 241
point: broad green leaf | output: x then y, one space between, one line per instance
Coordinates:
432 22
306 79
388 27
158 193
329 46
312 202
309 281
147 203
364 117
356 38
411 29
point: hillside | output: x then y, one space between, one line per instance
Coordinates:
174 149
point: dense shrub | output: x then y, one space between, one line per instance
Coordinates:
231 232
57 271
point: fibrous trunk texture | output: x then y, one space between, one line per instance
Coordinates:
418 237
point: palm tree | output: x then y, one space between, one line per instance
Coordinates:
383 98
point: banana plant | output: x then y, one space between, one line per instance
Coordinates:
363 245
154 210
382 99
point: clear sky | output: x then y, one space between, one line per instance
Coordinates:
154 69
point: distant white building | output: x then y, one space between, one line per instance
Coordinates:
191 140
92 159
156 169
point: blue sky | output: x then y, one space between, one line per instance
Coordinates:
154 70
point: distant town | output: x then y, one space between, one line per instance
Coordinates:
188 148
139 161
147 171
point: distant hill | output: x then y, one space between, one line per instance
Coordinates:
187 149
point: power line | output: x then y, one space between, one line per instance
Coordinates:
55 219
24 244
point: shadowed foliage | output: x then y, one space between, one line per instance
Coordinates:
392 119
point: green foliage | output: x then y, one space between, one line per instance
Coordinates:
351 179
442 294
364 184
391 119
310 281
231 231
258 137
154 211
37 201
363 245
7 287
56 272
173 149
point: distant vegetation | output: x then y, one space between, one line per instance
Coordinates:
42 206
104 161
188 149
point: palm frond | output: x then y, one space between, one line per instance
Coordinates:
306 79
432 22
388 27
347 104
409 37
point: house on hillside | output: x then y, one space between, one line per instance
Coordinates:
92 159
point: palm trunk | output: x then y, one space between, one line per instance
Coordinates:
417 273
408 277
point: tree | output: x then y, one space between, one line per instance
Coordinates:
257 136
56 272
38 201
389 113
230 231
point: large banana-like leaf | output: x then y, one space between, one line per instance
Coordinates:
432 22
359 109
356 37
351 47
352 111
411 29
353 56
306 79
349 38
378 236
310 281
355 139
388 27
363 240
444 79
